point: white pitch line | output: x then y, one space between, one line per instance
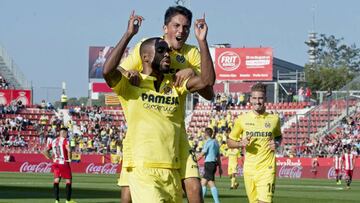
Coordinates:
311 186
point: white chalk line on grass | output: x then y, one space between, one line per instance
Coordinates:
278 186
311 186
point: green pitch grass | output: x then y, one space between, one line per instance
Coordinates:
37 188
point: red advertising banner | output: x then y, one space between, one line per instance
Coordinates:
101 87
85 158
297 168
45 167
7 96
246 64
294 168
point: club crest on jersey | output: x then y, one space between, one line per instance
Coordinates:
180 58
267 125
167 90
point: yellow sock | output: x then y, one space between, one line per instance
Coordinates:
233 181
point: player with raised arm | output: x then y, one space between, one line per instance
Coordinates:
155 104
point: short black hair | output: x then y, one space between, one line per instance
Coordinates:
209 131
145 45
174 10
64 128
228 130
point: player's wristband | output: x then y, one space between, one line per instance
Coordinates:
69 160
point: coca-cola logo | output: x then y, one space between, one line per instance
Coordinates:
102 169
290 172
43 167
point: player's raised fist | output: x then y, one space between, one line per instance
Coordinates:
134 23
201 28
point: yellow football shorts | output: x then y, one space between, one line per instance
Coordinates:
188 163
154 185
190 168
260 186
123 179
232 169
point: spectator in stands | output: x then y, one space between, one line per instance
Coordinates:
2 109
43 120
328 93
3 83
290 95
43 104
19 105
308 94
50 106
301 94
241 100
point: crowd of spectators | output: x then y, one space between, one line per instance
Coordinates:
330 143
3 83
98 130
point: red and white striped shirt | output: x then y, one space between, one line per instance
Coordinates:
348 161
338 162
59 151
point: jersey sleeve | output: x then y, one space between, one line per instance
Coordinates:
205 148
133 60
121 87
183 89
236 132
194 59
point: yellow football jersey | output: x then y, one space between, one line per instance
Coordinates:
154 122
187 57
260 129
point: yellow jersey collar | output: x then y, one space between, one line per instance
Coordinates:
147 77
254 115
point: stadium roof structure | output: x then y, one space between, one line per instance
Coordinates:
10 71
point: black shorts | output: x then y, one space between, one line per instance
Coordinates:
210 170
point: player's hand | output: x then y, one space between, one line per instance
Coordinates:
132 75
272 145
134 23
220 171
182 75
201 29
245 141
134 78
